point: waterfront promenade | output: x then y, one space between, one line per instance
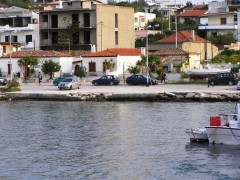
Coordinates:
122 92
46 88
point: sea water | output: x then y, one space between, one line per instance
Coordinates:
111 140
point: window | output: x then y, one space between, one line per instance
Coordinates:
136 19
28 38
142 19
45 35
116 20
54 21
223 21
35 21
214 34
116 37
75 38
45 18
74 18
13 38
86 19
54 37
235 18
4 49
6 39
86 35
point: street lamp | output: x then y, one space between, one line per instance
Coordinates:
147 54
10 39
123 63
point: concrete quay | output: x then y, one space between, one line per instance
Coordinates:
123 92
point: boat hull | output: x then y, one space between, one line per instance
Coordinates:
223 135
197 135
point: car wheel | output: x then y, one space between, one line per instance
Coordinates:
95 83
60 89
111 83
70 88
230 83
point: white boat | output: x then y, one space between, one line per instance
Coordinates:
223 129
197 135
210 71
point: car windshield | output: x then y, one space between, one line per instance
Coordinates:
67 80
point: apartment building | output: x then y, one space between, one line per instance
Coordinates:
223 18
141 19
100 25
21 26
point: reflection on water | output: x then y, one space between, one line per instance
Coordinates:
107 140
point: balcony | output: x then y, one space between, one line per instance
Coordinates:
218 27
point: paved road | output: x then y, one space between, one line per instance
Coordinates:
49 88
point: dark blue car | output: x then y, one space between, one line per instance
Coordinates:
106 80
140 80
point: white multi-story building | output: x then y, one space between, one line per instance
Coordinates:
223 18
22 25
141 19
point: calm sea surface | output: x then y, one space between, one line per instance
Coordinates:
111 140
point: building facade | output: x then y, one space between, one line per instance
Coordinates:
222 18
23 27
101 25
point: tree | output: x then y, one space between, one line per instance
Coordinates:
69 35
223 39
49 67
80 71
134 70
27 63
109 64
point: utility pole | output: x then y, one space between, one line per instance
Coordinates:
176 24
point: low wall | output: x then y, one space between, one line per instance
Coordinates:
159 97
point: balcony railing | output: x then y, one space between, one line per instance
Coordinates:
218 27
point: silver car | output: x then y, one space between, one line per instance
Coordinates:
69 83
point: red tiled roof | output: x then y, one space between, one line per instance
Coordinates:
182 36
193 13
38 54
114 52
170 52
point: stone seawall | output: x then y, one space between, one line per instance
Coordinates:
154 97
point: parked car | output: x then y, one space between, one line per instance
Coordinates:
69 83
238 85
140 80
57 80
3 81
106 80
224 79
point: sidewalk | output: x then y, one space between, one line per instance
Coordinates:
126 89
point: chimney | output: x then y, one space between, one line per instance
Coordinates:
193 35
143 51
93 48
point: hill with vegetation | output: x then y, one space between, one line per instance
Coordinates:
19 3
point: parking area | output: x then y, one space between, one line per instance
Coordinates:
87 87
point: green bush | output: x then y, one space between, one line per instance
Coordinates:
184 75
12 86
235 69
194 81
